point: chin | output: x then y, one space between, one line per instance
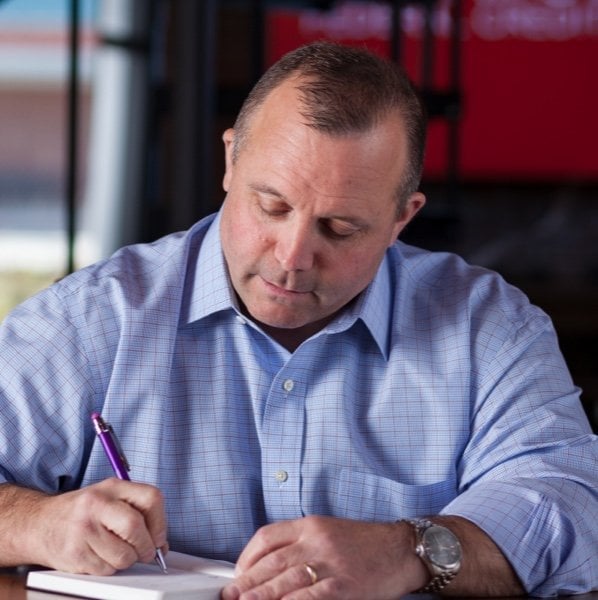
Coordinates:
280 322
283 323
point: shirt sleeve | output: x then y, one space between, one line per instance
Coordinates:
45 389
528 473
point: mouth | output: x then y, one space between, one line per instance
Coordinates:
285 291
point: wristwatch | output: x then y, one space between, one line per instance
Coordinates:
440 550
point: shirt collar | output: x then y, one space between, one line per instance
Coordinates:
372 307
211 292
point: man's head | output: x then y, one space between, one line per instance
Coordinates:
311 203
345 90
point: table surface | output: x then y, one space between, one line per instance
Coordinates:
12 587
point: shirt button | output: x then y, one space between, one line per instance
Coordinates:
288 385
241 320
281 476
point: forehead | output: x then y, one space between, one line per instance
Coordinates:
279 144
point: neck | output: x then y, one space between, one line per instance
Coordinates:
291 339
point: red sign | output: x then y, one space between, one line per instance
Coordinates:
529 79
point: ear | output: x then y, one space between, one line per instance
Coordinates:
228 137
414 204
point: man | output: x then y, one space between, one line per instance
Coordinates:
311 397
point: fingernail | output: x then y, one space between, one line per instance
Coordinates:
230 592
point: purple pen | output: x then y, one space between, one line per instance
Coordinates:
114 452
119 462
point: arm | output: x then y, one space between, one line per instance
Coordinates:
527 474
485 572
526 479
360 560
47 393
98 529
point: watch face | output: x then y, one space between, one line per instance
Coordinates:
442 546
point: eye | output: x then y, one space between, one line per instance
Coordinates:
273 207
338 229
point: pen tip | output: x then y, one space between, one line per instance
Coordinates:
160 560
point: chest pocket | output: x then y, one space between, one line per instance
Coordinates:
368 497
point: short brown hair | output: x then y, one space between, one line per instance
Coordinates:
345 90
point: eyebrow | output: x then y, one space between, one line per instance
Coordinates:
267 189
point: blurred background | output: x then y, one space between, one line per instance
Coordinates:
111 113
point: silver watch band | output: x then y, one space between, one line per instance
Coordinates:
437 583
439 580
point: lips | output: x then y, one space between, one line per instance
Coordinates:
285 290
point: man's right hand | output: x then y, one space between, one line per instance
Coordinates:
98 529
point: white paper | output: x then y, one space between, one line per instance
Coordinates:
188 577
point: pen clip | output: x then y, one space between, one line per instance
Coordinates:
105 429
118 447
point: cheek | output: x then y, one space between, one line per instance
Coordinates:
242 239
356 269
250 239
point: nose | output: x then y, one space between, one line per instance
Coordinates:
295 247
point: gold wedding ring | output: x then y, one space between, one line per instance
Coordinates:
311 572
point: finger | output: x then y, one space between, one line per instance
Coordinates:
90 548
110 553
164 548
127 523
276 573
80 557
148 500
292 579
265 541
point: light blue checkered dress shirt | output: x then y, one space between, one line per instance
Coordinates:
440 390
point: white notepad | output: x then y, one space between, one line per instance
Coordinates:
188 577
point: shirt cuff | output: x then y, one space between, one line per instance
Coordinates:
532 529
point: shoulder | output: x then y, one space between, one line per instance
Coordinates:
442 285
437 270
143 269
137 279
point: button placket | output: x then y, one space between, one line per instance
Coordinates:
282 443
